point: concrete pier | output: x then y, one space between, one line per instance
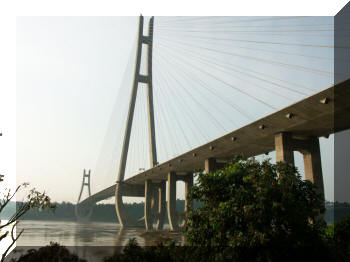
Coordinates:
309 147
171 205
149 196
294 128
161 191
173 215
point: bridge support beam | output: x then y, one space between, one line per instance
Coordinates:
285 145
155 204
78 208
149 197
120 208
173 215
312 163
161 205
284 148
188 179
210 165
171 205
188 185
123 218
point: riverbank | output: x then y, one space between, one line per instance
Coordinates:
92 241
105 213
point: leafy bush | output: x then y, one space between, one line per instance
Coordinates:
34 199
257 212
249 211
342 238
252 211
53 252
132 252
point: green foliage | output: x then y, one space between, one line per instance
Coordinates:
248 211
257 212
53 252
132 252
253 212
101 212
342 237
340 211
34 199
106 212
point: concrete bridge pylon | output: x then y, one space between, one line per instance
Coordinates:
84 212
297 127
309 147
153 194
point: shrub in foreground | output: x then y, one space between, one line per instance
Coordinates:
132 252
52 253
342 239
257 212
249 211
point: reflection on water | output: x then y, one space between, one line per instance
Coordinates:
92 240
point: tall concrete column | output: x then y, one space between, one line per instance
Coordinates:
125 220
210 165
161 205
78 208
188 185
310 148
151 127
155 201
149 192
171 205
312 164
284 148
120 208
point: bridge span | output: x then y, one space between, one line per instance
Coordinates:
294 128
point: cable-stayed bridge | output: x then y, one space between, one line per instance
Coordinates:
216 88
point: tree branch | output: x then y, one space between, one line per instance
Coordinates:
9 198
13 238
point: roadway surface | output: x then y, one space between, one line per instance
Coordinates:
312 116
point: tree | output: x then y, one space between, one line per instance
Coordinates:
34 199
52 252
342 238
257 212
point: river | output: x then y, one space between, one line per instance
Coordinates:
91 241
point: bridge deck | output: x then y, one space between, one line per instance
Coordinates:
311 117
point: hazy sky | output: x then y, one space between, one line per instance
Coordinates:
70 71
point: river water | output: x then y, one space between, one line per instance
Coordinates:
92 240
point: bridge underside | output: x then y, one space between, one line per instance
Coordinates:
127 190
295 127
311 117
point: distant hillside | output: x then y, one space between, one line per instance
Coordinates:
339 210
65 212
106 212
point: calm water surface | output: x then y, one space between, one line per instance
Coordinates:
92 240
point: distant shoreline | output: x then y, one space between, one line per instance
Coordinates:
106 212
